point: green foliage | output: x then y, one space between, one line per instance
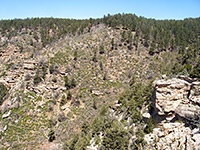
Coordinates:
171 34
139 142
133 98
42 26
152 51
101 65
51 135
2 74
68 48
136 115
51 69
94 105
3 93
67 84
85 127
70 144
133 81
103 111
73 83
94 58
196 71
101 49
76 142
63 101
82 143
44 70
149 127
112 43
100 124
37 79
75 55
69 95
116 138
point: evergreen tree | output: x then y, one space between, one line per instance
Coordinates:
196 71
67 84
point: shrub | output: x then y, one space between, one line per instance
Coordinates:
116 139
73 83
75 55
70 144
195 72
54 79
37 79
151 51
85 127
44 70
51 69
67 84
61 117
101 49
139 142
27 77
3 93
149 127
82 143
69 96
51 135
101 65
63 101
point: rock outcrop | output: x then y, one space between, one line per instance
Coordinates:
177 99
173 136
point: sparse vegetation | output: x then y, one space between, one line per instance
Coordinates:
92 79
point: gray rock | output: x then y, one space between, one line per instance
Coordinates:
6 115
97 93
171 136
5 128
177 98
146 115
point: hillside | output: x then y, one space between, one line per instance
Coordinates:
85 84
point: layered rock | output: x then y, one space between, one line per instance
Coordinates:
172 136
177 98
29 65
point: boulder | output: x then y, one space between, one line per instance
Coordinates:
5 128
97 93
146 115
6 115
29 66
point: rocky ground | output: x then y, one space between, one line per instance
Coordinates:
32 109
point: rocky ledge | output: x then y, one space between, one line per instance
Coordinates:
171 136
177 99
176 112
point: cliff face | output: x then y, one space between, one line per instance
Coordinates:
177 99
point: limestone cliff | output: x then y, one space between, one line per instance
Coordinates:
176 104
177 99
